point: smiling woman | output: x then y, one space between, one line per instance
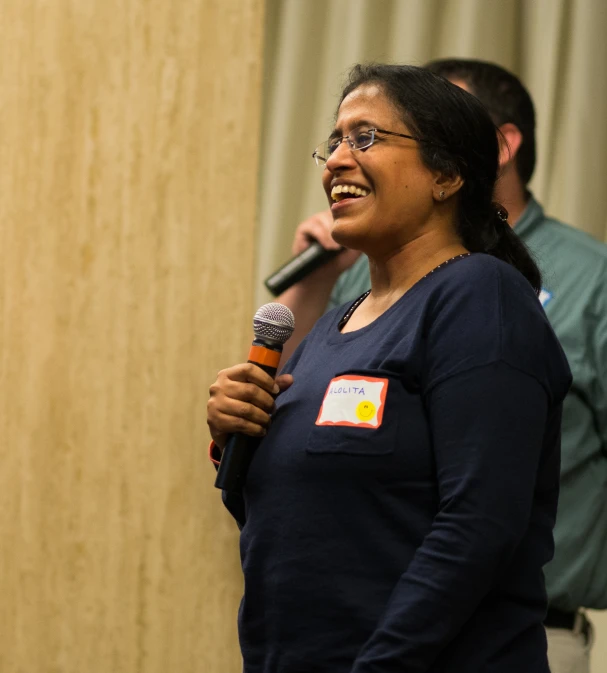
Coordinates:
446 164
405 528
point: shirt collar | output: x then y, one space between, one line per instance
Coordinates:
530 218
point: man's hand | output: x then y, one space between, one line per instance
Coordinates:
308 299
318 227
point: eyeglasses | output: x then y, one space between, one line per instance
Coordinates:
359 138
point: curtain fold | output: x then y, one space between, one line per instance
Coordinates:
557 47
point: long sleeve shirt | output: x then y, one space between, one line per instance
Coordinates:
399 512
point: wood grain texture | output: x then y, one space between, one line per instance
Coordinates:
129 140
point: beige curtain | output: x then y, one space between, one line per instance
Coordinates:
557 47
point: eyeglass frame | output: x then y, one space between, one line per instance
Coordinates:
320 161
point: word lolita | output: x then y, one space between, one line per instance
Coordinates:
346 390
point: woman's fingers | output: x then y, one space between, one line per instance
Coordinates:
284 381
250 393
247 373
226 407
226 416
241 400
226 424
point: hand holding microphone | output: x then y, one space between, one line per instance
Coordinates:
242 398
313 247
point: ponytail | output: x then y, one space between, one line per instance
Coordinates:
495 237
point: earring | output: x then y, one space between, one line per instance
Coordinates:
441 196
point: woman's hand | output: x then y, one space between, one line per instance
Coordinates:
241 400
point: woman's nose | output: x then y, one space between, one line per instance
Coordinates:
340 157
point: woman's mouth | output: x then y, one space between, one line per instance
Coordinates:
341 192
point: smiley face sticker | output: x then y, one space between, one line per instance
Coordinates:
365 410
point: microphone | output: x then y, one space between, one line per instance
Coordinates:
273 324
299 267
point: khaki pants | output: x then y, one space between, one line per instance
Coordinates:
569 651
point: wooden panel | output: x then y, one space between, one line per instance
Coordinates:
129 143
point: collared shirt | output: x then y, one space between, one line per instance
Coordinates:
574 296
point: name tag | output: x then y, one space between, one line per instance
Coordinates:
355 401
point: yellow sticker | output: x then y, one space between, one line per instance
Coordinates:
365 410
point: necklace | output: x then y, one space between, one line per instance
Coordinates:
362 298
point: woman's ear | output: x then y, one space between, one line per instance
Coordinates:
510 139
446 185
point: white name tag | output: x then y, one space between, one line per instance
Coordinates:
354 400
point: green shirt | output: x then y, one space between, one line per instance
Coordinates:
574 296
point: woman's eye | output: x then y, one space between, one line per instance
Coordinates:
362 138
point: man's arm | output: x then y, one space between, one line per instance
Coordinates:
309 298
598 359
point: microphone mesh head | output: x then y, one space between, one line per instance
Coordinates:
274 322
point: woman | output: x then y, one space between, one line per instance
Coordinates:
398 512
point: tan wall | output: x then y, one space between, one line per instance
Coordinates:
128 136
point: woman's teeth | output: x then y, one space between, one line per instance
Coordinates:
340 192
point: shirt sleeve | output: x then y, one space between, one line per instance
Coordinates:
488 425
598 356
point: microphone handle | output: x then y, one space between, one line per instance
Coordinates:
299 267
239 449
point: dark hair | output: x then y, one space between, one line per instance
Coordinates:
505 98
458 138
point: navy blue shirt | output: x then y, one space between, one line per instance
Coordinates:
404 528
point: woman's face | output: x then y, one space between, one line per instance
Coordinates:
399 188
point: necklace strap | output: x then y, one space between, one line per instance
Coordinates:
348 314
447 261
